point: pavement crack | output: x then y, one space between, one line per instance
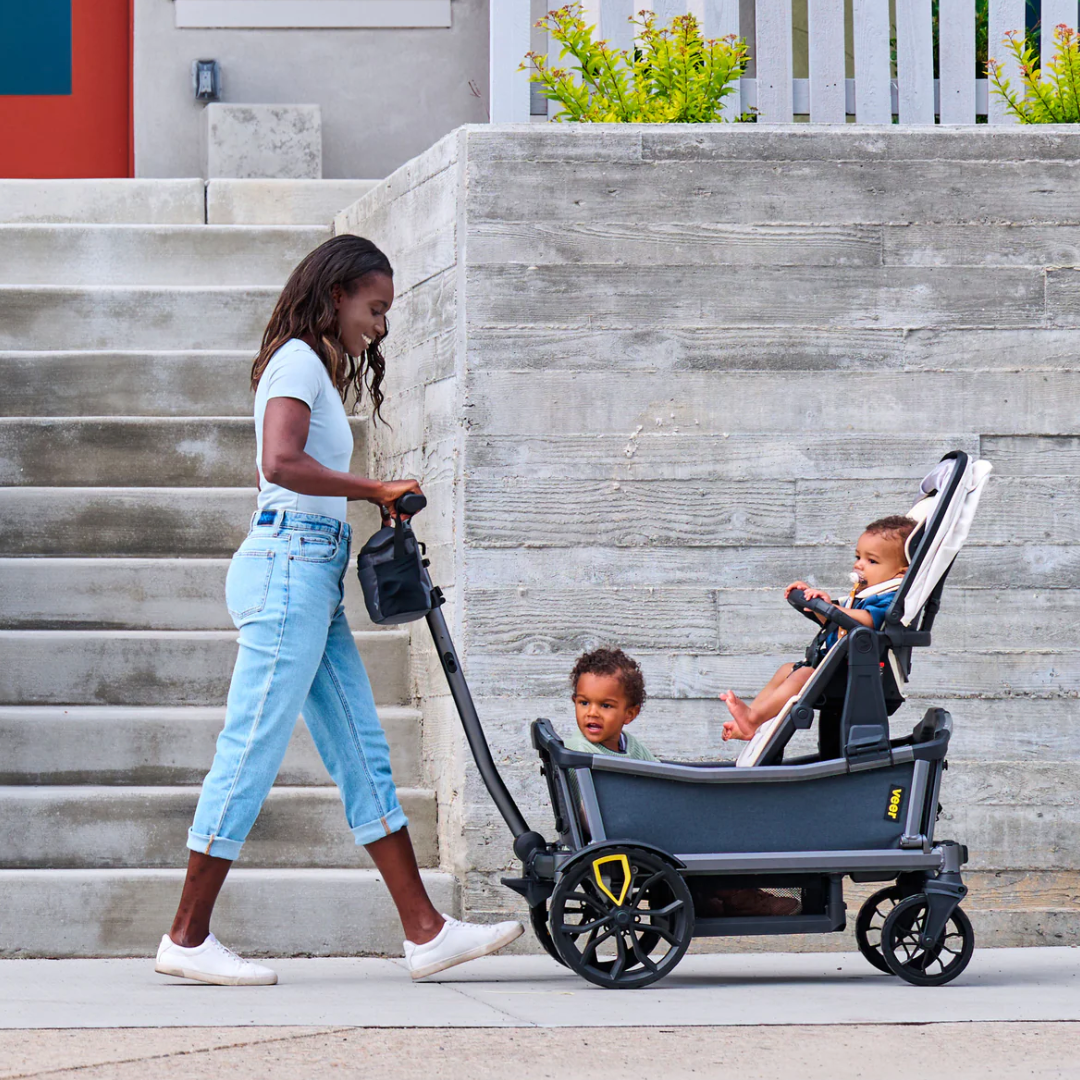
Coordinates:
73 1069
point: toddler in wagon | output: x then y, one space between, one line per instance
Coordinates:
880 563
608 693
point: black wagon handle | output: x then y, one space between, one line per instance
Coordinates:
412 502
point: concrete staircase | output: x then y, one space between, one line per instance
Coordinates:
126 480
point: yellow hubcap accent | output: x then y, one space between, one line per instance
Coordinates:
624 862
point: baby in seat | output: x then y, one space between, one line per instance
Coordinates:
880 564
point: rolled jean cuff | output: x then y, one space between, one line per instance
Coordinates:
391 822
218 846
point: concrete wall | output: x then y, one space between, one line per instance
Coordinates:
386 95
650 375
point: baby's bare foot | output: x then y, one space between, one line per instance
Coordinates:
740 717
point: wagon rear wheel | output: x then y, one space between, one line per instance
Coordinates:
621 918
868 925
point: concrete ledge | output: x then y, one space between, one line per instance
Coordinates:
280 202
106 202
57 913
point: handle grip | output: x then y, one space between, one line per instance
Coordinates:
797 599
412 502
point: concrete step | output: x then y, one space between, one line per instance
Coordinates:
103 745
80 255
281 202
170 522
76 828
66 913
129 451
103 667
132 317
124 521
130 594
108 201
147 383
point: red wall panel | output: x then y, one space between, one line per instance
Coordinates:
89 132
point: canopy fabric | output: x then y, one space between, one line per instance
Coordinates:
951 534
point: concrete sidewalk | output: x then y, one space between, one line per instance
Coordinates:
1038 984
824 1052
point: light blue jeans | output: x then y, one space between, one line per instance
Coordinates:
285 592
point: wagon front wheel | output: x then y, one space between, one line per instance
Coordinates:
925 965
621 917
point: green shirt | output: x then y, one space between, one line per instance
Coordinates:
633 748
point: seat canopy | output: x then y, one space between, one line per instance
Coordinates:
951 494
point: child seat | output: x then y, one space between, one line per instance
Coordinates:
859 683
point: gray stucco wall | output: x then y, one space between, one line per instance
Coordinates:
650 375
386 95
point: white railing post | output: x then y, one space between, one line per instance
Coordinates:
1005 15
508 88
828 96
775 100
956 55
1054 13
718 19
915 61
873 82
665 10
613 18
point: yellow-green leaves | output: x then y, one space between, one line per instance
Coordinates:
672 75
1050 93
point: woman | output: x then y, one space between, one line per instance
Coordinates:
285 590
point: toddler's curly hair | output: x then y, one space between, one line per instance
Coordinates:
894 527
606 661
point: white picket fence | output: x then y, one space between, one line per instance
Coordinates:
915 97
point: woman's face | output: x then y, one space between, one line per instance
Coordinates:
362 315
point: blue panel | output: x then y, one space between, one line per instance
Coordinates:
35 47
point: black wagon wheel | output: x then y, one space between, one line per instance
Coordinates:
538 916
621 918
920 965
868 925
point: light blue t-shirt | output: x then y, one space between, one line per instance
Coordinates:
296 371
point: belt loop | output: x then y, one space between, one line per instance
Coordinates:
279 522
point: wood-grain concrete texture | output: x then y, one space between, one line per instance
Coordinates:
648 375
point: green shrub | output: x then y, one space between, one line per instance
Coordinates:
673 75
1050 93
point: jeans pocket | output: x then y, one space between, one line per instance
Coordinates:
312 548
247 583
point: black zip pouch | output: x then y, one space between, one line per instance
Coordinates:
391 571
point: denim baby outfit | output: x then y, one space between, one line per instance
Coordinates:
876 600
285 592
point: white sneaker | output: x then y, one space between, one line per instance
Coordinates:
457 942
211 962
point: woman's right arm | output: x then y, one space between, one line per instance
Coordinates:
284 462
